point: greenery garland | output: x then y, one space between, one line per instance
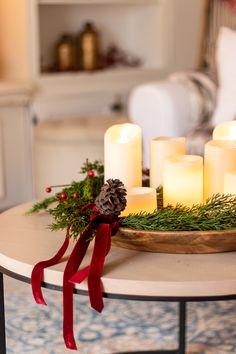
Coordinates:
218 213
67 211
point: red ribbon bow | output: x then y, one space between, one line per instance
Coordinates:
106 226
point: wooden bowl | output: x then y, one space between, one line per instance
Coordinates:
176 241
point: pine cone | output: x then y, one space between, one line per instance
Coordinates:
111 200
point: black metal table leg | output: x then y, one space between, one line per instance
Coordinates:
182 327
182 335
2 318
152 352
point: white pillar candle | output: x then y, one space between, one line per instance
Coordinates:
140 199
123 154
230 183
220 157
183 180
225 131
160 149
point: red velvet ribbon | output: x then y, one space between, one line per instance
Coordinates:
37 272
106 226
93 272
72 265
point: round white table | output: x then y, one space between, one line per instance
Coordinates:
26 240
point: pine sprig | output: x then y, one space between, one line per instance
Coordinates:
88 188
70 215
92 166
72 211
219 213
42 205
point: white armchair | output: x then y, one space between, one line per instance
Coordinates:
164 102
170 108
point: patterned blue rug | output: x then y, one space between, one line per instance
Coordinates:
123 325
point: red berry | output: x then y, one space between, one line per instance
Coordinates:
147 172
76 195
58 197
48 189
63 196
91 173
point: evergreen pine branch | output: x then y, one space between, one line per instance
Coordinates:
42 205
219 213
92 166
88 188
68 212
71 217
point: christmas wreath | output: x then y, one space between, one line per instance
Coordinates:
90 209
71 207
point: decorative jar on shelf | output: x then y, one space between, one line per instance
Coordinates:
65 53
89 56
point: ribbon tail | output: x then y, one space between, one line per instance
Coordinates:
68 324
73 263
37 272
101 246
80 276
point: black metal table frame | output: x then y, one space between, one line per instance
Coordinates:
181 300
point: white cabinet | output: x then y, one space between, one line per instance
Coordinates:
15 146
30 29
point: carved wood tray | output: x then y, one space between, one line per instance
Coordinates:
176 241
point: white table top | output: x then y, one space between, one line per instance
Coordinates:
25 240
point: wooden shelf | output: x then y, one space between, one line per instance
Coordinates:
162 44
112 80
97 2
